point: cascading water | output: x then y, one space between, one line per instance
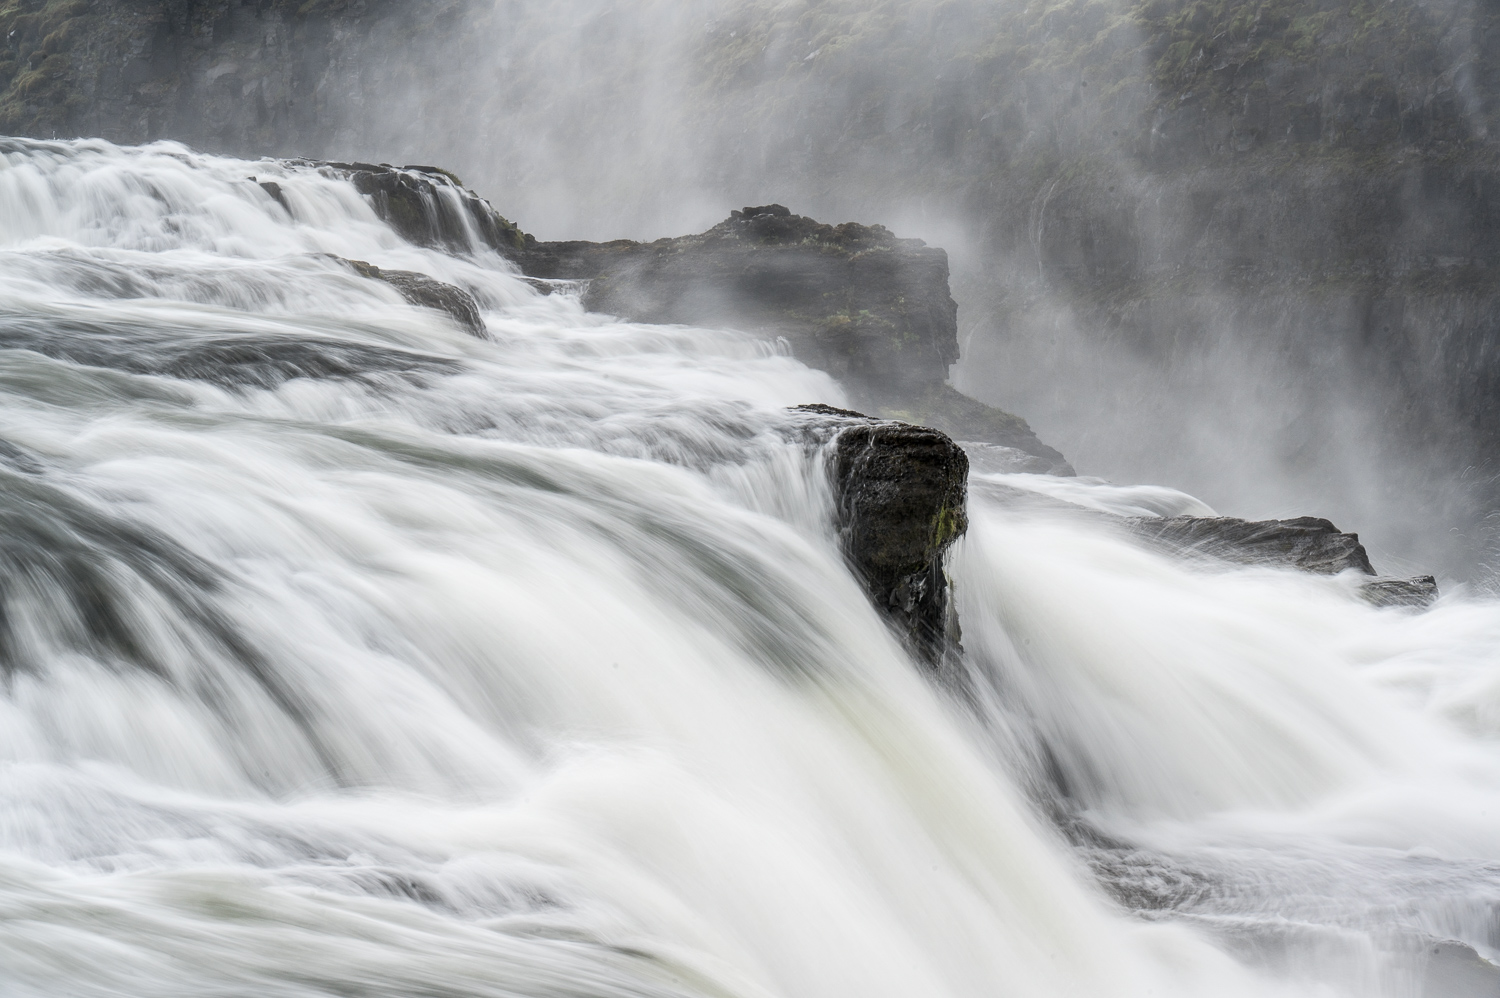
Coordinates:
345 653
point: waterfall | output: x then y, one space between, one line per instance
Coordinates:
347 653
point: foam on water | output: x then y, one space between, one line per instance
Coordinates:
347 654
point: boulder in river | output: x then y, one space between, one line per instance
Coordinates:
900 494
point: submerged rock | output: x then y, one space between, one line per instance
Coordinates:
1421 590
428 292
276 193
900 496
1309 543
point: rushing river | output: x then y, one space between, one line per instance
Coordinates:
344 653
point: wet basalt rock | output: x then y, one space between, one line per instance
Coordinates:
428 292
854 300
1309 543
900 494
428 206
870 308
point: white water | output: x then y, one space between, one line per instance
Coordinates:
529 666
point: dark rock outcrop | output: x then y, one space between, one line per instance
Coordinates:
900 496
854 300
428 292
1308 543
428 206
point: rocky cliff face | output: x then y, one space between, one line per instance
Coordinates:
254 77
854 299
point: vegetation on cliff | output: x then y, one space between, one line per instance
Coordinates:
245 76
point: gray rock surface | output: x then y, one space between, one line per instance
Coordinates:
872 309
900 496
1308 543
428 292
428 206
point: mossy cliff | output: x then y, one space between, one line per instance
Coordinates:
256 77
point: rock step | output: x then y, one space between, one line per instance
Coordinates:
428 292
1309 543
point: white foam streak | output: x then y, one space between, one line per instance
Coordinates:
530 665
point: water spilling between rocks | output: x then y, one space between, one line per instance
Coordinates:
347 652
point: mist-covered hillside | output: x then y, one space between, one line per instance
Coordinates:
1245 248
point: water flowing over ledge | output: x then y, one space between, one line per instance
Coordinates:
345 652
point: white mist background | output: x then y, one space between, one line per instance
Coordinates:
649 118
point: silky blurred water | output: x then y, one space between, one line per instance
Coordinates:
346 653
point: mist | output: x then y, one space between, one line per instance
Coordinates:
1246 250
404 589
1186 250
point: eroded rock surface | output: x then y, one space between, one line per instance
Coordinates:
853 299
870 308
1309 543
428 206
900 492
428 292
